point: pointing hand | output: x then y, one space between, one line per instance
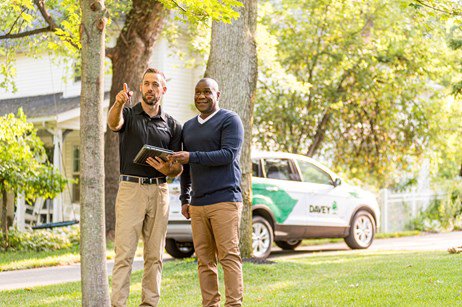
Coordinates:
124 96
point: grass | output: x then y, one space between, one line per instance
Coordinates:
21 260
10 261
26 260
354 278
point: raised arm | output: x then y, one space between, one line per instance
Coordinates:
115 119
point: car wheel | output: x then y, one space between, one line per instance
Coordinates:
179 249
362 231
288 245
262 237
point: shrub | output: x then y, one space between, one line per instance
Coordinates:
43 240
442 214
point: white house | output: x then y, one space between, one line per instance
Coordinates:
50 100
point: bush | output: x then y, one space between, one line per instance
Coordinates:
442 214
42 240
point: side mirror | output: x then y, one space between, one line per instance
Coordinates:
337 182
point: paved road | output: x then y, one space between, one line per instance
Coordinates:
47 276
54 275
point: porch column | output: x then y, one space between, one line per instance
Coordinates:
58 164
20 216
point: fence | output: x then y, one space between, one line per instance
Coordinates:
399 209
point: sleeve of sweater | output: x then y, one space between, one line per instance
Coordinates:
185 178
232 137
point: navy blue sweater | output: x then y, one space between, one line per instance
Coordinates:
213 171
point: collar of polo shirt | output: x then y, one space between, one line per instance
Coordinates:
139 110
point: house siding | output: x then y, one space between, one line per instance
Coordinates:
45 75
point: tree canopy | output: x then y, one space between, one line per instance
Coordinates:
39 27
358 83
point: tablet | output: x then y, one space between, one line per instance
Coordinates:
151 151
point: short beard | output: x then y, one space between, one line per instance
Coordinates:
151 102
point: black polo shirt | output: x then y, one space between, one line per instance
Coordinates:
138 129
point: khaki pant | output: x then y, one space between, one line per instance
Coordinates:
215 230
140 210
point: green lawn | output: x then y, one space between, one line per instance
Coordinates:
10 261
27 260
21 260
355 278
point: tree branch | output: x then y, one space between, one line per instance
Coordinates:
179 6
45 14
14 23
319 136
52 26
437 9
27 33
109 52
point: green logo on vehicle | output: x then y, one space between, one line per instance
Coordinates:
277 199
334 207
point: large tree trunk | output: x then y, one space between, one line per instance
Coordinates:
130 57
4 220
233 63
95 289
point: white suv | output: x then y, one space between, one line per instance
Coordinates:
294 198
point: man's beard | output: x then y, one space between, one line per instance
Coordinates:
151 102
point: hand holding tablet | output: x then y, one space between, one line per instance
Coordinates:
151 151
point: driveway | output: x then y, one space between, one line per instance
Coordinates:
424 242
54 275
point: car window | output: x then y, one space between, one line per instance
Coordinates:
256 168
279 169
313 174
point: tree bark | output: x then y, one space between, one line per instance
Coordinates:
233 64
4 220
319 136
95 289
130 58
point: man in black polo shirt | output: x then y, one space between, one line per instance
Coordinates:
142 199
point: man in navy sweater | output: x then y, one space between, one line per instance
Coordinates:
211 194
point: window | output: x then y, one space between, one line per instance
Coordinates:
256 172
76 174
76 159
313 174
279 169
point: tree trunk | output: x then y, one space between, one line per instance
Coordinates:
4 220
233 63
95 289
319 136
130 58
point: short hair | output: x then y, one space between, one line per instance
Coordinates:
211 81
152 70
